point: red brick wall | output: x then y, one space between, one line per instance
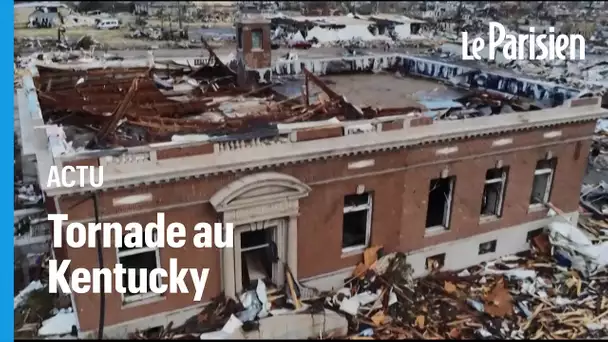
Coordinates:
256 58
188 257
399 180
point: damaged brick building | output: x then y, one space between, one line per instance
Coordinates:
320 179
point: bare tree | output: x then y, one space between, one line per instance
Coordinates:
179 15
161 15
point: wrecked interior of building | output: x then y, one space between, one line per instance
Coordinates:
108 108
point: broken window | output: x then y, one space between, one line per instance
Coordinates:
258 253
494 192
440 202
435 262
534 233
138 258
487 247
357 221
543 181
257 38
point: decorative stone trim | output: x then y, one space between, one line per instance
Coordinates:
254 202
82 162
439 132
262 212
260 190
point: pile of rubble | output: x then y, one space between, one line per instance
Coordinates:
27 195
517 297
157 33
38 312
556 290
594 195
599 148
35 45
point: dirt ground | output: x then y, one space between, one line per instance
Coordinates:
111 39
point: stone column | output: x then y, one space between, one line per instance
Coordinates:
280 240
292 246
228 271
237 264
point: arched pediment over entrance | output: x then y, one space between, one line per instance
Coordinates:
258 189
266 200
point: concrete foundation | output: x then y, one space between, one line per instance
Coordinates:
289 326
300 326
121 331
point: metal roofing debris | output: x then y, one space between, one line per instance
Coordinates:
134 106
440 104
126 106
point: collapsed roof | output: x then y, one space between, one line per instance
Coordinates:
132 106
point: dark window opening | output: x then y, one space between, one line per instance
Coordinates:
543 181
239 37
154 333
435 262
356 200
255 238
577 150
415 28
257 256
257 39
143 260
440 202
534 233
494 192
356 221
595 151
487 247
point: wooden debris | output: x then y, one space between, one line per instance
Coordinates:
477 303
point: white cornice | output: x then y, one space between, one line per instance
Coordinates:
166 170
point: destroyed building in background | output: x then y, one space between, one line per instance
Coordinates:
352 29
449 164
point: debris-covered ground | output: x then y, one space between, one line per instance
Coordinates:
38 312
526 296
556 290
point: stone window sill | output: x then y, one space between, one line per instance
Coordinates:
488 218
533 208
434 231
352 251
